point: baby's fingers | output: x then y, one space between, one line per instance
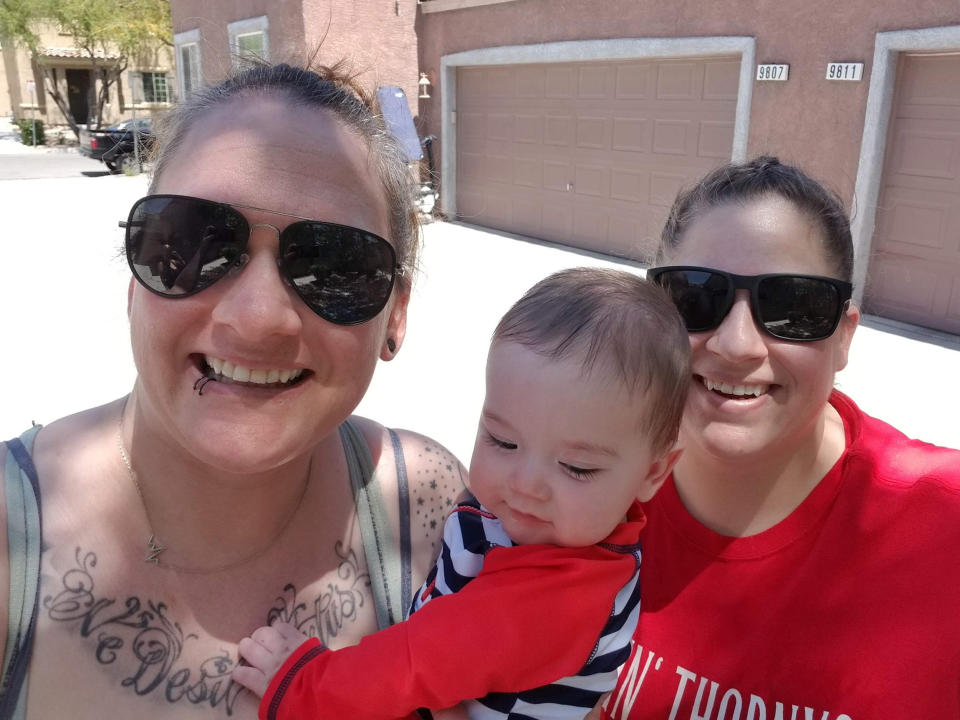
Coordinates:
251 678
260 657
293 637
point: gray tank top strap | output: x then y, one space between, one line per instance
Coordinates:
388 565
24 534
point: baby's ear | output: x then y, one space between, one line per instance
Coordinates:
658 472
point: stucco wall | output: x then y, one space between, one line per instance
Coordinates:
376 36
285 32
807 120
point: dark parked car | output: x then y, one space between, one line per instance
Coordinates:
114 146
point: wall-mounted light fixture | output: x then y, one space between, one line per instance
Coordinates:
424 84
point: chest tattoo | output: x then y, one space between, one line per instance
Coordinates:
138 636
335 606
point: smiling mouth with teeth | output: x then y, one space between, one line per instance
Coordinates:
742 392
226 372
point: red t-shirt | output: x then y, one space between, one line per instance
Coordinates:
849 609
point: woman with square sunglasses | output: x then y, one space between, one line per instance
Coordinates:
271 268
801 561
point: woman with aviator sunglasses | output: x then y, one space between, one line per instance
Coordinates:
800 562
271 268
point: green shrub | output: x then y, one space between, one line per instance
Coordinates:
26 131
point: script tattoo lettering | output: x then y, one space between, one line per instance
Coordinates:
138 635
149 635
333 608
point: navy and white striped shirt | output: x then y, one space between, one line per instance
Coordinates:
469 533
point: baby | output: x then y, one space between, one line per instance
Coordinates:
535 596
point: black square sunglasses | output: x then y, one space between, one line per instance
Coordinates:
802 308
178 246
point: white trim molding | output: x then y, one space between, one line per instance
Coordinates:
587 51
250 26
180 40
435 6
876 123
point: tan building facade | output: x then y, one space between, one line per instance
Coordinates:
144 87
577 122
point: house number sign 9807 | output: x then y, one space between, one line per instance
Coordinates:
773 72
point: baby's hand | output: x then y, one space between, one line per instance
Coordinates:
266 650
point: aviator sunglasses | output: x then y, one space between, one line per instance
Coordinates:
178 246
802 308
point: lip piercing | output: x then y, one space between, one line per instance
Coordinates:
201 383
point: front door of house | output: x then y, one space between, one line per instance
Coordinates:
78 94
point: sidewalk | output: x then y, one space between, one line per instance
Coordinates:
63 286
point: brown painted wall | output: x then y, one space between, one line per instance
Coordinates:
285 32
807 120
376 36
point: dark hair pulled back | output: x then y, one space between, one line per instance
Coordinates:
764 175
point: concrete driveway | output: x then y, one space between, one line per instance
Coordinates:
63 284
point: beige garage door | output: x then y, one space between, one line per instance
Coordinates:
589 154
914 271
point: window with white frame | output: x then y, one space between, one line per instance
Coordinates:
155 87
187 45
249 41
148 87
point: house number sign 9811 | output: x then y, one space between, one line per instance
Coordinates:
845 71
773 72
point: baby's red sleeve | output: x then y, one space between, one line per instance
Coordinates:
532 616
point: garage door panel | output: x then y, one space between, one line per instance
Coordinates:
930 80
528 129
721 80
914 271
592 180
664 187
471 126
926 153
499 168
594 81
561 81
635 81
526 214
500 127
672 137
716 139
558 130
556 175
909 287
499 82
593 132
470 167
631 134
531 82
905 222
679 81
528 172
579 159
632 186
590 227
557 221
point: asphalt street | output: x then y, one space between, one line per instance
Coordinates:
63 286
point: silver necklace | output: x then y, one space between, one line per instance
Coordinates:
155 548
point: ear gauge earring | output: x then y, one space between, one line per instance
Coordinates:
391 345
